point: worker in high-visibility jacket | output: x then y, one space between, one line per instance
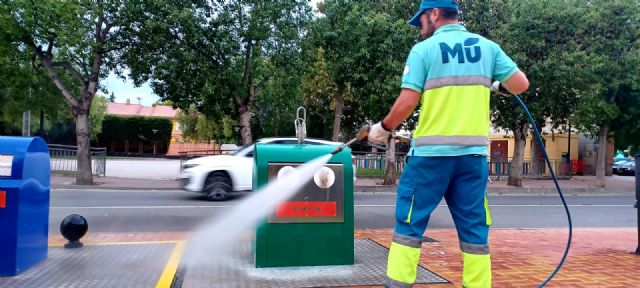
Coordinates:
451 73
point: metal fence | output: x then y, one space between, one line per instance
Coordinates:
500 169
377 161
64 159
497 169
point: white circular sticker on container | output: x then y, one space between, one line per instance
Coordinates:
406 70
284 171
324 178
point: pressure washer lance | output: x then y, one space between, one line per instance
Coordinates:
362 136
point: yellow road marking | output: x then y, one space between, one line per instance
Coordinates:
172 266
119 243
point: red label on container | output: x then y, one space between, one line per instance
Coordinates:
3 199
307 209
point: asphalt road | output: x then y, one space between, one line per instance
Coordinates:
156 211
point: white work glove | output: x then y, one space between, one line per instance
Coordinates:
497 87
378 135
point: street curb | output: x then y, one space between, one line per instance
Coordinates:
99 187
375 188
569 191
517 191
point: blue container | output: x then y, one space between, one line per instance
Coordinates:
25 171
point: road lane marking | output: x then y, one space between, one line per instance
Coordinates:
519 205
122 243
170 269
143 207
357 206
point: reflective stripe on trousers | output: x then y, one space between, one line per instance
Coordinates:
404 259
476 271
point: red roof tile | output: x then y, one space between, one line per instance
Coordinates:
124 109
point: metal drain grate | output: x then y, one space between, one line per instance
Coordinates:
369 269
125 265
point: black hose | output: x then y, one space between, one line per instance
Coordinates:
555 180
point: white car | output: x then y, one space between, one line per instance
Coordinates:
218 175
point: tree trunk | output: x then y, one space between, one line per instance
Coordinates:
390 165
245 126
83 174
537 163
337 116
515 169
602 156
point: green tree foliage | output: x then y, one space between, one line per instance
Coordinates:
75 44
321 96
188 120
60 127
365 45
541 37
275 109
195 126
574 53
610 38
97 114
483 16
219 54
627 131
23 87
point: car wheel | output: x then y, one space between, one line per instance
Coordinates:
218 186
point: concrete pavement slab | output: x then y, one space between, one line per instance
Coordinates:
600 257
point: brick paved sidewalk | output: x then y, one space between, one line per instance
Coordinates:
525 257
600 257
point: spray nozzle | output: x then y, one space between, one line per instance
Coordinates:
361 137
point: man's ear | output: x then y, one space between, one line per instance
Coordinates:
436 14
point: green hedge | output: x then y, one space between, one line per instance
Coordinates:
138 129
370 172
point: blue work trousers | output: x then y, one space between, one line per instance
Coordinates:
462 181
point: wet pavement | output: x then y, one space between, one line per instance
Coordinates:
600 257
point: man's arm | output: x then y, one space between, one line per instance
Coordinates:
517 83
402 109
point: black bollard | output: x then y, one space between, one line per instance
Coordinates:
73 227
638 200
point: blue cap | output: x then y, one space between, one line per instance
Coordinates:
430 4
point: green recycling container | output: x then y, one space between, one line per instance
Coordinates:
315 226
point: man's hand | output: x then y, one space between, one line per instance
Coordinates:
497 87
516 84
378 135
